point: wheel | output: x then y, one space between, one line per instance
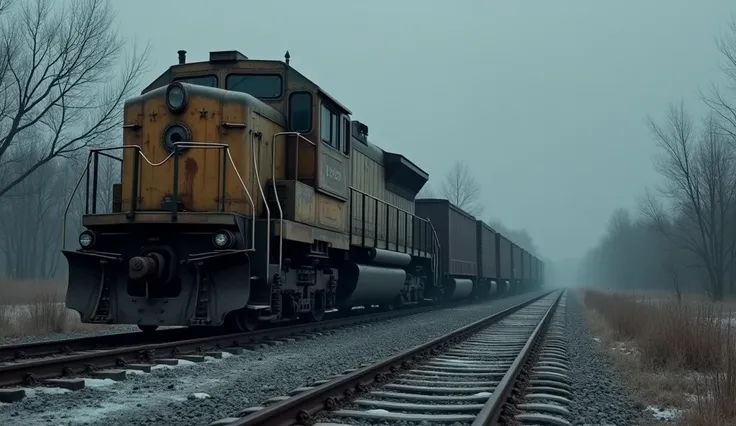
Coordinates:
244 321
147 328
318 307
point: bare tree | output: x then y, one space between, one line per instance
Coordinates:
719 102
462 189
700 184
58 80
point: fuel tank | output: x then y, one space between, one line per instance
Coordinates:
367 284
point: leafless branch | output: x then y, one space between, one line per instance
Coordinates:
462 189
61 76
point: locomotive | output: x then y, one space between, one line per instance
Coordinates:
248 195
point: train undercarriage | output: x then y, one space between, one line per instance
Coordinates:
152 272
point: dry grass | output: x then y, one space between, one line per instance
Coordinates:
35 308
676 352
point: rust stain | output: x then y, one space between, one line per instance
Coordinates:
190 171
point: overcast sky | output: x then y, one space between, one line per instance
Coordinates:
546 101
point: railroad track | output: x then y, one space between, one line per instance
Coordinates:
89 360
498 370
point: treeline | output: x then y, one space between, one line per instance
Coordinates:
461 188
64 75
683 236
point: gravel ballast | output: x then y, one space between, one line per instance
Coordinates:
600 396
198 394
92 332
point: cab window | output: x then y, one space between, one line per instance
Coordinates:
262 86
345 135
300 112
328 127
200 80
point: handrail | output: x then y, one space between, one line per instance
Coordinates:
352 188
275 192
138 149
265 204
69 204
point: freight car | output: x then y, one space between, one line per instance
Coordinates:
249 195
475 260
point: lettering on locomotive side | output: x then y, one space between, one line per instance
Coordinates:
334 176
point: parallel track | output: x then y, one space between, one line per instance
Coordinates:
66 363
465 376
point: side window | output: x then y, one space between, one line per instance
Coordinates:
300 112
325 127
262 86
330 127
335 132
345 136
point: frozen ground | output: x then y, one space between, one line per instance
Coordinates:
17 325
600 397
197 394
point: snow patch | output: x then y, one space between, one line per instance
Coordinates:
32 392
182 363
199 395
98 383
664 414
597 339
483 394
378 411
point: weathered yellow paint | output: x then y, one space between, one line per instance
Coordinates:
200 169
331 213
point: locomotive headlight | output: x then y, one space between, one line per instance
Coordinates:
176 132
176 97
87 239
223 239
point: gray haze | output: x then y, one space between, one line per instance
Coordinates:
546 101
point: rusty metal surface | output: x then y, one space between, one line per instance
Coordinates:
54 347
302 407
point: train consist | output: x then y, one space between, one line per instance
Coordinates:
249 195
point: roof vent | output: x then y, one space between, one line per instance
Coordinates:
182 56
227 56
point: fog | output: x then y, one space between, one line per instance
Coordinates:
545 103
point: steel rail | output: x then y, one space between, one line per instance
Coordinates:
21 372
301 408
493 408
43 348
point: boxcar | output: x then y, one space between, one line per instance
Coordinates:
516 270
526 265
487 259
457 234
503 246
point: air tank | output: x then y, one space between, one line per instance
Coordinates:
368 285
